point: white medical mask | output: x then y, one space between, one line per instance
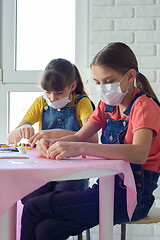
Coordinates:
59 103
111 94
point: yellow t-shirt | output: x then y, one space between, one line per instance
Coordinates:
83 110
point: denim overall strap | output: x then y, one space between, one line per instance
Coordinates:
156 100
82 96
115 130
128 109
109 109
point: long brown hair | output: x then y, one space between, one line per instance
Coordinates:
59 74
120 57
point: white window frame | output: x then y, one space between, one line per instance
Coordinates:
28 81
5 90
9 39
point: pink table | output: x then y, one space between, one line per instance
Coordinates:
18 177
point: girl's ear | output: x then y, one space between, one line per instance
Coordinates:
132 75
73 86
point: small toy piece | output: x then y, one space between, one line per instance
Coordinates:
47 145
9 150
4 146
29 148
34 146
22 144
15 144
22 150
83 156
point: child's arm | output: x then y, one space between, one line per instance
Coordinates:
137 152
93 138
23 130
84 134
58 133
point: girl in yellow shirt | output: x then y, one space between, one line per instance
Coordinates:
63 109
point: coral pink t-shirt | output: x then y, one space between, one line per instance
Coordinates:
145 113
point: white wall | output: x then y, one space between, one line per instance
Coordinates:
137 23
0 34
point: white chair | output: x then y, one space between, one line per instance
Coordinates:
152 217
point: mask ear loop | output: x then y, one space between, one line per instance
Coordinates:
134 79
71 92
70 95
122 79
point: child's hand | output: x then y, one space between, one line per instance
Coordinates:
43 145
25 132
45 134
61 150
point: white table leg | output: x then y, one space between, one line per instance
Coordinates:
106 202
8 224
12 222
4 226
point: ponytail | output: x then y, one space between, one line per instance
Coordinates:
143 84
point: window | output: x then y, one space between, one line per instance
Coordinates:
20 101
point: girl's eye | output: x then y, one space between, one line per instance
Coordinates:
96 82
109 81
59 93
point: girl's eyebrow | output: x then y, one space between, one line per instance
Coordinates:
95 79
59 91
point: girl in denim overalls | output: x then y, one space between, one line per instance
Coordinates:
129 118
61 111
